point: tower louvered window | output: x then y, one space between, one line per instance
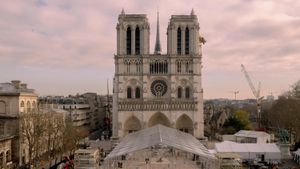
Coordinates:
137 41
128 41
187 41
179 41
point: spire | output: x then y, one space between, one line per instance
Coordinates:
157 49
107 87
122 12
192 12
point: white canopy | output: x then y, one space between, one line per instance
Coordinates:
250 150
160 135
251 133
297 152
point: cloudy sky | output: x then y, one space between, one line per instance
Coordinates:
67 47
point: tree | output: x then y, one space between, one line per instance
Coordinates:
47 135
238 121
285 112
71 136
32 129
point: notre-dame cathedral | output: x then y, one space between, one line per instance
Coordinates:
156 88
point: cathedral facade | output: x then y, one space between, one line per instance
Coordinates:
156 88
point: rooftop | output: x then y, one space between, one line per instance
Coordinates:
15 87
229 146
251 134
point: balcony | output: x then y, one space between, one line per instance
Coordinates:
138 105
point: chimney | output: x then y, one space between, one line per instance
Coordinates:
23 86
16 83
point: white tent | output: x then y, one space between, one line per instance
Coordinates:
160 135
296 155
250 136
250 151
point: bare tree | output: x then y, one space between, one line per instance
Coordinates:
285 112
32 130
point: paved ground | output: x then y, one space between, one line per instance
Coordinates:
289 164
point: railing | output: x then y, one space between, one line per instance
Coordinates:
156 105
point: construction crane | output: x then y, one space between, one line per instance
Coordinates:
235 93
256 93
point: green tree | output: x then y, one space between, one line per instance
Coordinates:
238 121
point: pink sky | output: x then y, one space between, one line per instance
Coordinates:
67 47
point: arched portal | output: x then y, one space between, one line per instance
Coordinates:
159 118
184 123
132 124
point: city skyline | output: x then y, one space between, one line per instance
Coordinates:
63 47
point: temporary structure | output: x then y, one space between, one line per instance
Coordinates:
173 148
251 151
160 135
296 156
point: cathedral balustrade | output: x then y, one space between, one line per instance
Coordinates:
156 105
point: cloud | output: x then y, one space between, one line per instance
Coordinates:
81 35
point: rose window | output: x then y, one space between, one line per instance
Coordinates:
159 88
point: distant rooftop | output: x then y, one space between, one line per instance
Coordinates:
251 134
15 87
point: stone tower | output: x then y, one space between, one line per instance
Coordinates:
157 88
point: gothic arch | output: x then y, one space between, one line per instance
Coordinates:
159 118
132 124
2 107
8 156
187 41
22 104
137 93
129 93
33 106
179 92
128 40
179 41
187 92
137 40
185 123
28 106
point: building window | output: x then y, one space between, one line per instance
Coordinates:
138 67
8 156
159 88
137 93
178 66
159 67
179 41
1 159
129 93
33 106
187 67
22 104
179 92
28 106
137 41
187 92
128 67
2 107
187 41
128 41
